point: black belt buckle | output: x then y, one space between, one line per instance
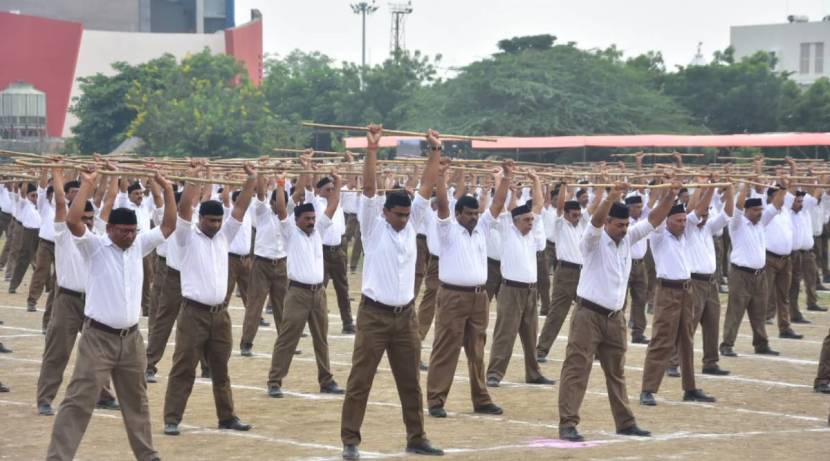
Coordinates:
614 314
215 309
478 289
398 309
123 333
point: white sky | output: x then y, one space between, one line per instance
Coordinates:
467 30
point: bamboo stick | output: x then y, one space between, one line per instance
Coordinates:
323 126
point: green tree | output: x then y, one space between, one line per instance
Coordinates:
807 111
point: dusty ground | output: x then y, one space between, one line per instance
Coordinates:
765 409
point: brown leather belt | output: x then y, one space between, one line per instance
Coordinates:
331 248
776 255
748 269
598 309
393 309
472 289
703 277
493 261
515 284
269 260
73 293
570 265
204 307
305 286
108 329
676 284
162 259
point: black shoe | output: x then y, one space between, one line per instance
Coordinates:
820 287
108 404
31 308
297 352
4 388
649 308
542 380
423 366
264 323
437 412
816 308
769 322
824 388
492 382
801 320
789 334
4 349
765 350
11 290
639 339
489 409
826 279
150 377
206 373
235 424
723 289
647 399
332 388
171 429
727 351
350 452
697 395
541 358
424 448
275 392
570 434
245 350
672 372
45 410
635 431
715 370
304 335
348 329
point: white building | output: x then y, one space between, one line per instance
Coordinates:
799 45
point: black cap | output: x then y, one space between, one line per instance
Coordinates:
752 202
520 210
304 208
396 198
122 216
322 182
618 211
211 208
466 201
572 205
677 209
133 186
634 200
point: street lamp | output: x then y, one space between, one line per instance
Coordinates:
364 8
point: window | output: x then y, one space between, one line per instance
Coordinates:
819 58
804 62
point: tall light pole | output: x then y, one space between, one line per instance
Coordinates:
363 8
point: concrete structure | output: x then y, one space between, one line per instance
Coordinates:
166 16
800 46
52 54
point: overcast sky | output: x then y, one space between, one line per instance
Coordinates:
467 30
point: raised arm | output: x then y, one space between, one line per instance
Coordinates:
430 175
191 191
729 200
561 198
110 194
600 215
659 214
168 221
441 199
73 218
334 198
501 191
244 198
282 212
538 198
60 196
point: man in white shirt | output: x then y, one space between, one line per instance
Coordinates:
239 249
111 345
818 216
673 326
426 308
803 260
132 197
28 237
11 249
568 224
638 279
45 256
523 237
269 274
6 221
597 326
747 281
305 300
778 269
386 319
203 327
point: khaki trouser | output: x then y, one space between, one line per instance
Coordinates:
461 319
60 340
817 242
302 306
543 281
747 293
421 261
357 247
707 314
593 334
825 232
380 330
823 375
42 276
727 249
200 332
803 268
170 301
651 272
267 278
564 294
516 313
239 271
11 231
28 247
426 309
493 283
672 330
550 247
638 289
149 264
159 275
5 219
779 274
334 265
47 311
102 355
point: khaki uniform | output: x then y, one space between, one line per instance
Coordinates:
269 277
823 375
564 294
516 315
493 283
11 236
707 315
638 289
28 243
803 268
747 293
42 276
779 272
426 309
672 330
239 271
543 281
334 266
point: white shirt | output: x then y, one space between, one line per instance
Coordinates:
748 242
464 255
670 259
779 232
802 224
333 234
204 260
269 242
29 217
70 267
46 209
518 258
430 225
143 212
638 250
567 237
389 264
349 200
241 244
115 276
606 266
5 200
700 245
305 252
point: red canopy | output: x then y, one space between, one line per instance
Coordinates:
634 141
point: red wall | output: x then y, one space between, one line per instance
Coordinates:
42 52
245 44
